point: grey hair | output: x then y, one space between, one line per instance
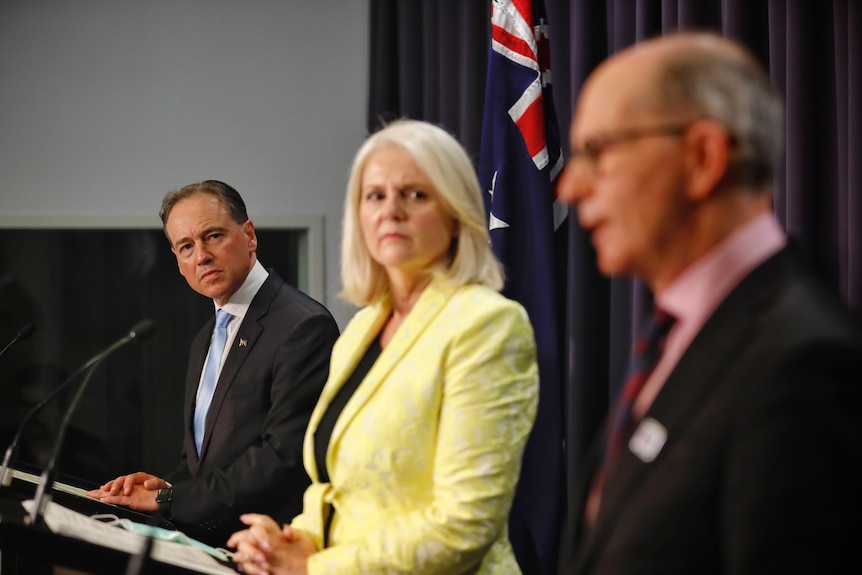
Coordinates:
712 77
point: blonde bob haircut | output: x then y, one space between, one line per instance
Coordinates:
445 163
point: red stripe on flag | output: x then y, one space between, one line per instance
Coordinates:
513 43
525 9
532 126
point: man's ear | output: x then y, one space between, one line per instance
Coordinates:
709 146
251 237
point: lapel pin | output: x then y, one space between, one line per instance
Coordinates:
648 439
243 342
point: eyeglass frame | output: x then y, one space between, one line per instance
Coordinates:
591 150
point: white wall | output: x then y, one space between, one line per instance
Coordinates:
106 105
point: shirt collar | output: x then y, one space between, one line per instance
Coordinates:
239 302
695 294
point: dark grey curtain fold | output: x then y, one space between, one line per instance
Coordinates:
848 50
428 61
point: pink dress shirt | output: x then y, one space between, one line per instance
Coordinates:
694 294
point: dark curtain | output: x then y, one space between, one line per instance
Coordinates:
428 61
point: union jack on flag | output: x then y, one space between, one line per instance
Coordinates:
519 163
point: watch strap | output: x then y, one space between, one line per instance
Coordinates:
164 497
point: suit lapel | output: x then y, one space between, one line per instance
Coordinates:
430 304
248 334
350 347
197 356
692 382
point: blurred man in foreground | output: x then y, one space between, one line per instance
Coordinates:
741 452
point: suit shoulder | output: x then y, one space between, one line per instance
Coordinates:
279 297
475 309
301 300
467 303
807 311
480 300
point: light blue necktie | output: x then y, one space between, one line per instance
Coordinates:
211 372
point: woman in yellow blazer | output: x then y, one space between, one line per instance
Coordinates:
414 448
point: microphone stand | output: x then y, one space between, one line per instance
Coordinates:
141 330
12 450
50 473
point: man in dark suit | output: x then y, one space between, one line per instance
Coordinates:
743 452
244 451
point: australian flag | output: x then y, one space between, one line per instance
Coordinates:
519 163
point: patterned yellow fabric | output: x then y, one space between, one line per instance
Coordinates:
425 457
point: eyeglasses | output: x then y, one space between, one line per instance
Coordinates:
591 150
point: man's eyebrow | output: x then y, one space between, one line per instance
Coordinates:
203 233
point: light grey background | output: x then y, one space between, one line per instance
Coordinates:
105 105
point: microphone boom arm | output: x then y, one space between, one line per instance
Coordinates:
140 331
50 472
12 451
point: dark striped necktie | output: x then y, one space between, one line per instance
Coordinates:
647 351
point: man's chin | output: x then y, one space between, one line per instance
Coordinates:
610 266
210 292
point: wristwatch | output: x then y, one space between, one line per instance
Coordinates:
164 497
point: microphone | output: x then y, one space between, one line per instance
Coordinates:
23 333
140 331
